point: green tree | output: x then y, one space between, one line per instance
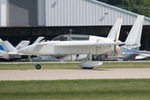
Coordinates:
137 6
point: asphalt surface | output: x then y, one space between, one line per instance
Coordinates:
63 74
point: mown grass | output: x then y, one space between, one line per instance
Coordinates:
128 89
22 66
125 64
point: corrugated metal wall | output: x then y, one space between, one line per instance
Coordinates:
41 13
72 13
0 13
85 13
23 13
3 12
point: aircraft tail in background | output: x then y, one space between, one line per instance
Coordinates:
115 30
38 40
25 43
134 36
8 47
1 47
22 44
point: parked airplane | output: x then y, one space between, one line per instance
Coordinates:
90 45
132 44
22 44
127 52
10 53
143 55
3 54
130 50
7 55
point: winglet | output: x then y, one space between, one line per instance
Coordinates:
115 29
22 44
134 36
38 40
1 40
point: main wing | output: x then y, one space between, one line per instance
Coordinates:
69 47
87 43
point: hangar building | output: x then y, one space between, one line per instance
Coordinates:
28 19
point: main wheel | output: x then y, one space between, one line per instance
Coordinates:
87 67
38 66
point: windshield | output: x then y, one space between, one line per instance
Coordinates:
71 37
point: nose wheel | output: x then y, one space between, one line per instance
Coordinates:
37 66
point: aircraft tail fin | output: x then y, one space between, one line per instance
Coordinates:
8 47
134 36
1 47
1 40
22 44
38 40
115 29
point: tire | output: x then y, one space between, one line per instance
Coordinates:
87 67
38 66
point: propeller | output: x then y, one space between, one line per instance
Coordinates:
115 46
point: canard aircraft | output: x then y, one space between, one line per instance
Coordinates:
92 45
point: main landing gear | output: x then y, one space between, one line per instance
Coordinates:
37 66
89 64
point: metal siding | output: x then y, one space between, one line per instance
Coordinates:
84 13
41 13
3 12
0 13
23 13
75 13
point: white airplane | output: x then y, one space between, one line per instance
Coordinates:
132 44
22 44
92 45
3 54
143 55
8 51
63 58
130 50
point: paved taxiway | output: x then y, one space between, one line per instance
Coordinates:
62 74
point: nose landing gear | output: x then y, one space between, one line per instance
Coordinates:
37 66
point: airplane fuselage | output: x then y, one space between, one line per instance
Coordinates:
70 47
129 53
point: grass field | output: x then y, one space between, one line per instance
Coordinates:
22 66
135 89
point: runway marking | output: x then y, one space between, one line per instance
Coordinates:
67 74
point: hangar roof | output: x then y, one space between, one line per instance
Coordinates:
120 9
86 13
